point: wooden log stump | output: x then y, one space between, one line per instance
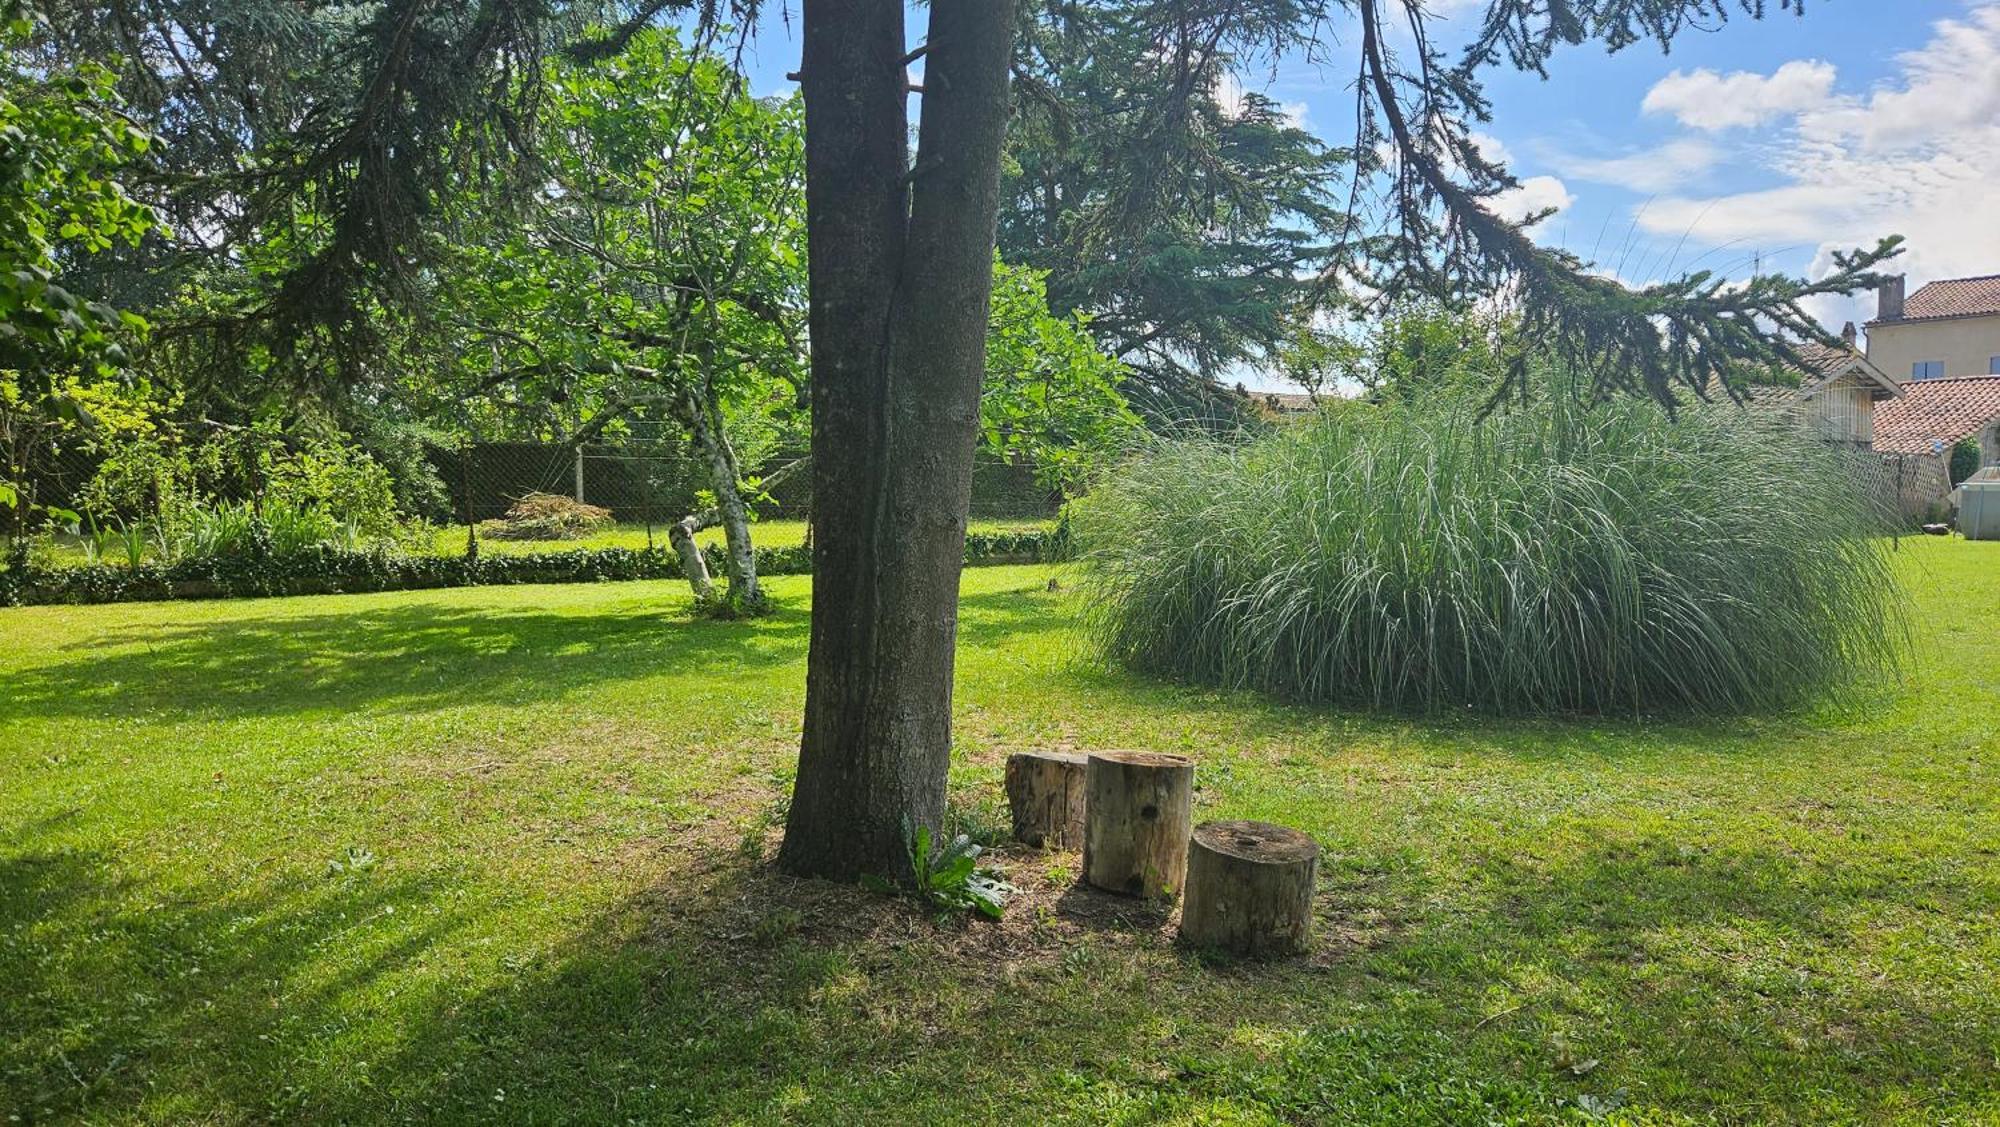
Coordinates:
1250 889
1139 806
1045 793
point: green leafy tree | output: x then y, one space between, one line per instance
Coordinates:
1964 460
1203 229
662 274
1188 217
1415 347
1052 397
658 272
64 142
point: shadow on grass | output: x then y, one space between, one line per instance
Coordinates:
105 995
725 991
1253 717
1735 983
725 987
407 657
418 656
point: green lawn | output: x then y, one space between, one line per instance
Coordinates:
502 854
764 533
449 540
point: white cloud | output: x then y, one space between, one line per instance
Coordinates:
1659 169
1491 147
1915 156
1951 84
1531 195
1705 99
1231 95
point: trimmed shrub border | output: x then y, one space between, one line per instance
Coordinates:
331 571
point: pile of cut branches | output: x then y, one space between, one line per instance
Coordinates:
547 516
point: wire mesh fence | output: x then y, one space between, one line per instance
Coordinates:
638 484
474 482
656 484
1911 487
46 478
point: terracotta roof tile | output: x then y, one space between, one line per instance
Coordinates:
1823 363
1936 411
1954 297
1824 360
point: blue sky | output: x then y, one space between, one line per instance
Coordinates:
1761 143
1771 142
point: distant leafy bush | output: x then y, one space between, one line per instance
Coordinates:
353 492
1551 558
1964 460
194 504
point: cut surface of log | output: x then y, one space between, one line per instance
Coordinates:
1045 794
1138 810
1250 889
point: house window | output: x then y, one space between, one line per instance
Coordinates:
1927 370
1993 366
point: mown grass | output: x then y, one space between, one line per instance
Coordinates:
763 533
449 540
500 854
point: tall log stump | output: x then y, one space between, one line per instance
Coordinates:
1139 806
1045 794
1250 889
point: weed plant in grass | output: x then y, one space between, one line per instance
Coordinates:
1554 557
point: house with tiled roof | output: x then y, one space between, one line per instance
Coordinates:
1838 391
1942 345
1932 416
1947 330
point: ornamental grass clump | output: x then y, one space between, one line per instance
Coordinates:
1554 557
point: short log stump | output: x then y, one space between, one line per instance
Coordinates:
1045 795
1250 889
1139 807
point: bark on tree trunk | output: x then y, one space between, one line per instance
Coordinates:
900 265
1250 889
681 535
1138 812
704 418
1045 796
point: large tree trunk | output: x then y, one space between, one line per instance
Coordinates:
901 265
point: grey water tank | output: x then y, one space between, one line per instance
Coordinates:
1979 510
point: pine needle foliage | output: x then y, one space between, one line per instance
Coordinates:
1573 556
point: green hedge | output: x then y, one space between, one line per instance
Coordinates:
324 570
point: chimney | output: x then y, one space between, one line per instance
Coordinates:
1889 300
1847 334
